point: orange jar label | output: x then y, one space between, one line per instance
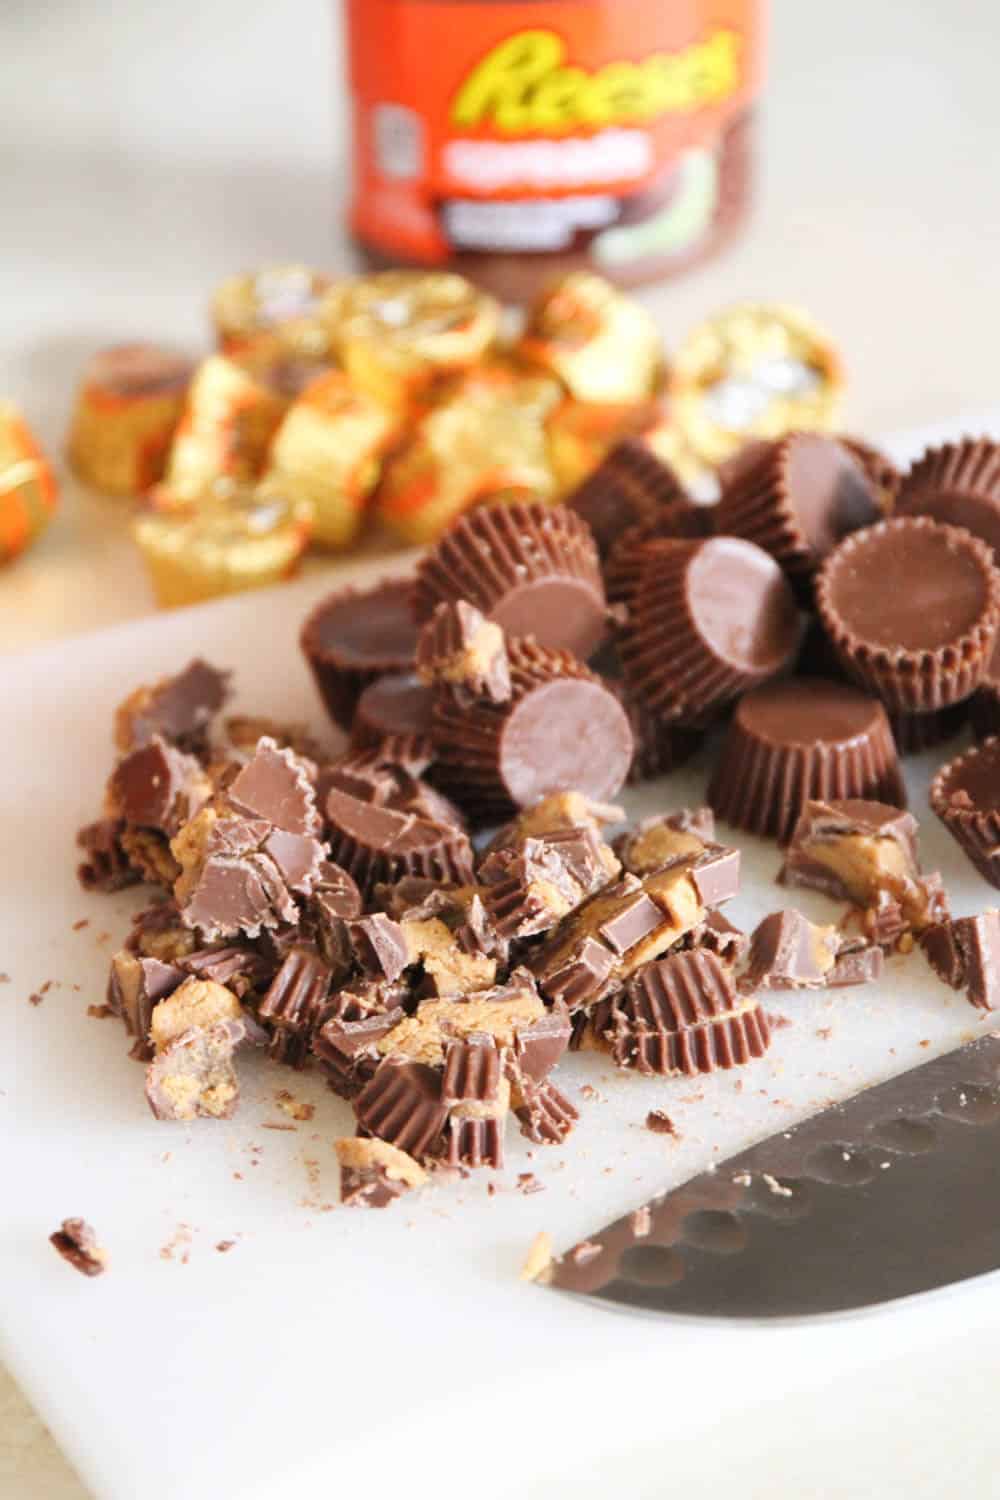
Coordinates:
483 125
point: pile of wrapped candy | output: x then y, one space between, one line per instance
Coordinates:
403 398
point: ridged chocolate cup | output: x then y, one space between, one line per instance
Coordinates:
377 845
965 795
915 733
562 728
802 739
797 498
708 621
630 487
913 610
393 715
660 746
959 485
355 636
984 705
680 521
879 467
531 568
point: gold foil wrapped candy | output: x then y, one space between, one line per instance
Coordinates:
485 443
129 404
603 345
272 311
231 414
397 332
328 453
219 543
28 490
753 372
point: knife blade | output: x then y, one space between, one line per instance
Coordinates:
892 1192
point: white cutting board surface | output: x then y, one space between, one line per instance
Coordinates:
398 1349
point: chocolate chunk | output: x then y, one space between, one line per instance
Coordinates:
788 952
965 953
275 786
402 1104
297 993
579 976
347 1049
180 709
241 875
538 1047
378 844
544 1113
716 875
379 778
107 866
77 1243
380 945
157 932
660 1123
719 936
374 1174
474 1141
463 652
241 970
157 786
530 885
472 1072
135 986
194 1077
636 918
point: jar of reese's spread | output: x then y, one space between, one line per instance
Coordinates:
514 140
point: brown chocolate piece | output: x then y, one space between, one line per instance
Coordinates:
562 728
630 486
965 953
135 986
275 785
474 1141
193 1077
374 1174
393 716
241 884
530 568
380 946
241 970
579 976
463 652
965 795
379 777
719 936
914 733
708 620
77 1243
788 952
798 739
538 1047
472 1072
297 994
346 1046
476 1094
715 875
545 1114
353 637
379 844
179 709
402 1104
798 498
529 886
157 932
156 786
957 484
107 866
623 565
913 610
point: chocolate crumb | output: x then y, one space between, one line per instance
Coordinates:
274 1125
824 1032
527 1182
79 926
99 1012
297 1108
660 1123
4 979
76 1242
225 1245
35 999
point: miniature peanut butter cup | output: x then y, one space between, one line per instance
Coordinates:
959 485
561 728
912 608
798 498
671 522
355 636
916 732
630 487
531 568
394 715
984 705
803 739
965 794
708 621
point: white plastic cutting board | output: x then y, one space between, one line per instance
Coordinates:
398 1351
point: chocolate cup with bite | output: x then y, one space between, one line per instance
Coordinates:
354 637
531 568
965 795
912 609
959 485
708 620
803 739
797 498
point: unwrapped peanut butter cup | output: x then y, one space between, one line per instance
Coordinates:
393 715
680 521
800 739
914 733
958 484
561 728
355 636
798 498
708 621
965 794
532 569
912 608
630 487
984 705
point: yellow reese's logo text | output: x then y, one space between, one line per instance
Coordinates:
524 84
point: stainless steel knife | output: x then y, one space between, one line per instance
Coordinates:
895 1191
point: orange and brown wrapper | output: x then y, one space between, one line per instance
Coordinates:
601 344
231 414
127 410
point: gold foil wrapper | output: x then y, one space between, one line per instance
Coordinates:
397 332
128 407
583 433
220 543
756 371
232 412
28 490
274 311
485 443
328 453
603 345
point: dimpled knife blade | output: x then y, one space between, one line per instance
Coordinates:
894 1191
